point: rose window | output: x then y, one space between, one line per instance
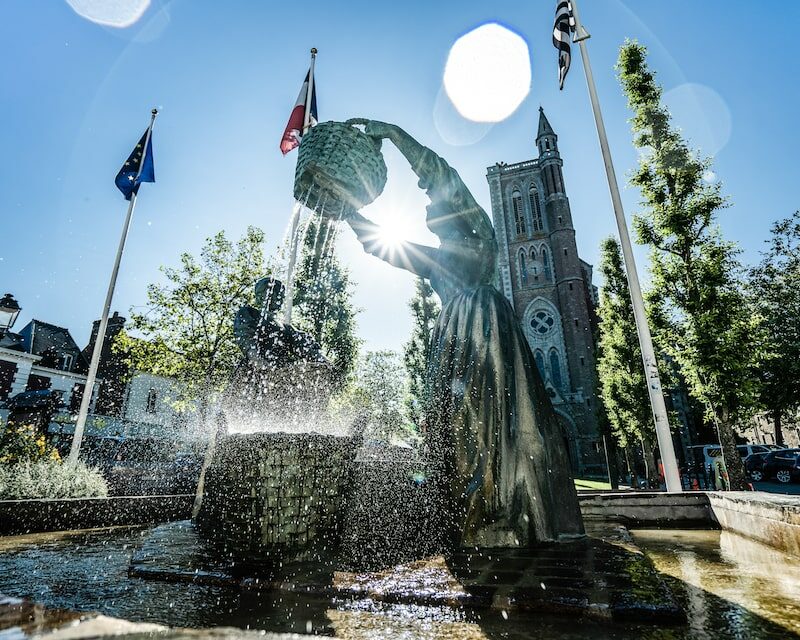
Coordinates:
542 322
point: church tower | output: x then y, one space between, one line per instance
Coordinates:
550 288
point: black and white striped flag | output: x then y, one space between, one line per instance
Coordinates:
562 30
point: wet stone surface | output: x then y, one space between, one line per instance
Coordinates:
730 588
602 576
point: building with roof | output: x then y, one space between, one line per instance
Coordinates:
550 287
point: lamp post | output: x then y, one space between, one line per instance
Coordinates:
9 310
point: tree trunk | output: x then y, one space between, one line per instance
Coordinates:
651 469
631 467
737 481
612 461
776 417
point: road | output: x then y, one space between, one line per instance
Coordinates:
792 488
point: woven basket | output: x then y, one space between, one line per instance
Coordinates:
340 169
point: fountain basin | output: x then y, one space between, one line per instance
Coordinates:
272 498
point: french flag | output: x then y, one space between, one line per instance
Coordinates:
297 121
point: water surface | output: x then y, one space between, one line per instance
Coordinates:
732 588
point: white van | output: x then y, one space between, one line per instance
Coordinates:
711 451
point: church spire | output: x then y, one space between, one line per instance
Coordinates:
544 126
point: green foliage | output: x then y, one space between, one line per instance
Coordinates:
623 388
377 389
50 479
21 443
187 325
698 307
322 300
775 298
425 309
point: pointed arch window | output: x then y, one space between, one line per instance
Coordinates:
534 269
539 358
555 370
519 214
536 209
548 272
523 269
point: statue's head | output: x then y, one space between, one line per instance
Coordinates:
270 292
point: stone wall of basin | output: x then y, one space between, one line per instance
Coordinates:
772 519
649 509
768 518
36 516
276 497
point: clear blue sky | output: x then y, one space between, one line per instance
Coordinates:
76 96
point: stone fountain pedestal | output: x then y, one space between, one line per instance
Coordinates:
276 498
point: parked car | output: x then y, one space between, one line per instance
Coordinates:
142 466
754 466
185 472
783 465
711 451
96 451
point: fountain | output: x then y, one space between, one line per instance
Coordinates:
496 465
298 519
274 489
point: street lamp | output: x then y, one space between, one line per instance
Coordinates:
9 310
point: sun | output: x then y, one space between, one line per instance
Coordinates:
394 231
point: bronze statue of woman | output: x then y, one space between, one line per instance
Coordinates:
491 433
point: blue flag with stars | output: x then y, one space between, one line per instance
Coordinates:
138 167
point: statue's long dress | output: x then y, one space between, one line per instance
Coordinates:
492 434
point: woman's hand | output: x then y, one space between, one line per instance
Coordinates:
375 128
380 130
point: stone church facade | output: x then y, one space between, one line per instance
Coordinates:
550 287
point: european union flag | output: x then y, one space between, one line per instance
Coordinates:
138 167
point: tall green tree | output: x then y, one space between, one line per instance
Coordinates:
378 388
775 296
186 328
425 309
701 319
322 298
623 388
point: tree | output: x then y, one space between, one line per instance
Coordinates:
378 388
775 298
623 388
698 307
186 328
425 309
322 299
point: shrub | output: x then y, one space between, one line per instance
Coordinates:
50 479
20 443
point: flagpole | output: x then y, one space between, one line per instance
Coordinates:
654 389
97 350
287 312
310 92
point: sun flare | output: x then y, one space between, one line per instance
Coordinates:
394 231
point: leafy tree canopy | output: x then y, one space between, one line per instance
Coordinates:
697 304
186 328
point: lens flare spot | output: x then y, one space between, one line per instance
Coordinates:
488 73
702 115
110 13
